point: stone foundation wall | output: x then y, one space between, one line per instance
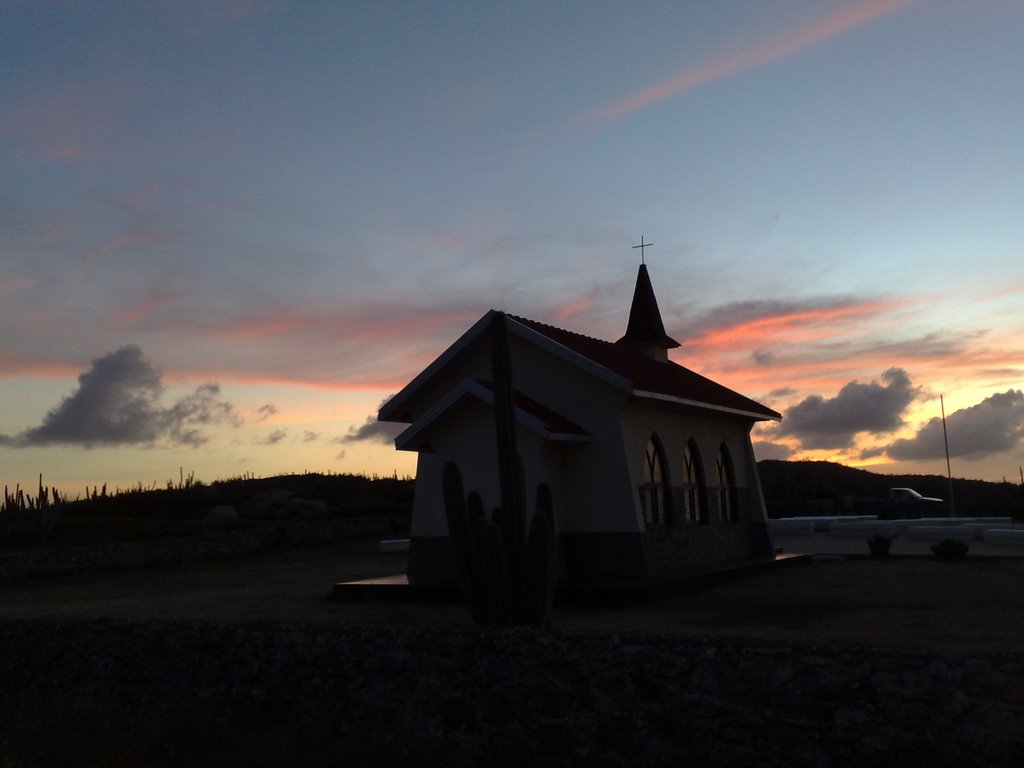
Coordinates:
18 566
463 696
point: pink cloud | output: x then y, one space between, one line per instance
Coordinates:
12 284
199 16
375 347
847 18
570 309
15 365
768 347
55 126
372 324
827 365
760 325
127 241
69 122
476 239
152 303
1012 289
66 148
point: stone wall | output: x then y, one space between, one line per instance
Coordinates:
464 696
18 566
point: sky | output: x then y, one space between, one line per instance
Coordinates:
229 230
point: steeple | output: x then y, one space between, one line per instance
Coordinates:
645 331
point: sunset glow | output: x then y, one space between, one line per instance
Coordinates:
246 225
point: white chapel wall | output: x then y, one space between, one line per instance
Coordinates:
595 483
675 426
467 437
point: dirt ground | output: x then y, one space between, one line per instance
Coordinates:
974 605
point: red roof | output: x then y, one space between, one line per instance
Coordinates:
650 377
555 423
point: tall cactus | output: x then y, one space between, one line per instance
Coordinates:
484 556
541 561
465 514
507 571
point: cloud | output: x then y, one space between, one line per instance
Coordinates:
342 440
309 436
378 347
264 412
128 242
848 17
994 425
152 303
118 403
764 449
373 431
573 307
757 325
72 121
872 453
197 17
203 406
832 423
817 344
274 437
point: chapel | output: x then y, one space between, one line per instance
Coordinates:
650 464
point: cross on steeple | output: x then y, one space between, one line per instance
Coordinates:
641 247
645 332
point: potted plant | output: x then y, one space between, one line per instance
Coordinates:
879 545
948 549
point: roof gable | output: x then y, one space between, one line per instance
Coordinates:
618 365
529 413
396 409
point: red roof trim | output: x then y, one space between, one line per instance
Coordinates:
650 376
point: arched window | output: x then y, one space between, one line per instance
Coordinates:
693 486
726 486
652 492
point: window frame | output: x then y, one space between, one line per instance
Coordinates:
654 497
728 509
694 510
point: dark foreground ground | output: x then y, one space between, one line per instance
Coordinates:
947 606
247 662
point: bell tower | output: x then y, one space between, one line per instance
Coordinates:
645 332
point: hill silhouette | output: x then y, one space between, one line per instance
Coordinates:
343 496
790 484
790 487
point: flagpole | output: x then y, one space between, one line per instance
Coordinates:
949 473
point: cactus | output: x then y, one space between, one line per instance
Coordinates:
484 557
40 511
541 561
464 515
507 571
